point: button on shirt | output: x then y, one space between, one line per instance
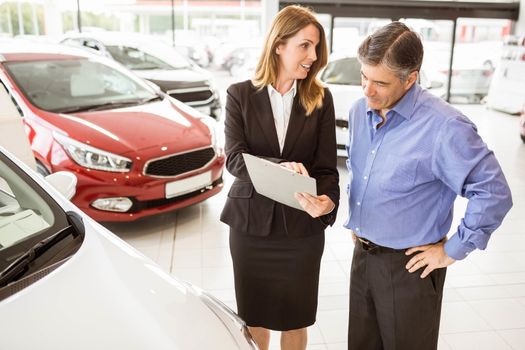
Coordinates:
407 174
282 108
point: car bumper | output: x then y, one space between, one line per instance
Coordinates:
341 135
148 195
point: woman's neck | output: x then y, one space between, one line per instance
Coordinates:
283 85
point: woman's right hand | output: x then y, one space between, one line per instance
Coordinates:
297 167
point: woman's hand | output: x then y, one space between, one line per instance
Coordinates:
297 167
315 205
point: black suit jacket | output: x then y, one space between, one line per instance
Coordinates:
250 128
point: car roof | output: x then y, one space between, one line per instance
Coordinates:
21 50
114 38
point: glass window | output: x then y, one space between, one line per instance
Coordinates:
63 85
28 215
349 32
19 18
23 213
477 53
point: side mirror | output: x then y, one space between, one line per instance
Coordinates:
64 182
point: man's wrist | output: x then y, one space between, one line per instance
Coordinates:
456 249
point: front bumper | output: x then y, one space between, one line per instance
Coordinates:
147 194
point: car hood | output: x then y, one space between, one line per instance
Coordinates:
109 296
127 130
172 79
344 97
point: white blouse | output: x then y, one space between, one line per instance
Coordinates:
282 108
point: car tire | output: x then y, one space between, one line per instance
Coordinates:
41 169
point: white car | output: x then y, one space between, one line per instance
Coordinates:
66 282
342 75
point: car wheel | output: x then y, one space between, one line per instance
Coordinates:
41 169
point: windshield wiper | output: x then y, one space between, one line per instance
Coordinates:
100 106
20 266
150 99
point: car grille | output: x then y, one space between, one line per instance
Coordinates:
341 123
181 163
193 97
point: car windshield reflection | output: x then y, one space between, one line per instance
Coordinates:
76 84
24 214
346 71
157 57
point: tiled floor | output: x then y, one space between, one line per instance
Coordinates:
484 303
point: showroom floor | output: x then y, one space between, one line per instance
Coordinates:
484 302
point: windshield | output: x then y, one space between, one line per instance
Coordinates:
27 214
158 56
62 85
346 71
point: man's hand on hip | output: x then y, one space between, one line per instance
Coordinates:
432 256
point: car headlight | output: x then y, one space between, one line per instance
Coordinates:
91 157
235 325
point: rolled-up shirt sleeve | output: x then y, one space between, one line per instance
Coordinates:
465 164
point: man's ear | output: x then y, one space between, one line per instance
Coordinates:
412 78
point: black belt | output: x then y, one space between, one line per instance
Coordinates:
372 247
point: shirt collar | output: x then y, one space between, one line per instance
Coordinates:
406 105
293 89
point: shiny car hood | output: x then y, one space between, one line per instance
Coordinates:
109 296
126 130
179 78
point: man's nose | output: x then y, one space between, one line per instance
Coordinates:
368 89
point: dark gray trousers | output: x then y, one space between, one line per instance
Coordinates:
390 308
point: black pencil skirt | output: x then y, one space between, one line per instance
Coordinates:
276 279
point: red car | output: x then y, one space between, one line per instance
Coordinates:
135 150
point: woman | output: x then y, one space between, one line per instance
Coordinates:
286 116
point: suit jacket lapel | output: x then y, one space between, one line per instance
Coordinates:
262 110
295 125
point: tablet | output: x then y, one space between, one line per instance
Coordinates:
277 182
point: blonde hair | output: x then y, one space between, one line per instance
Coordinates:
285 25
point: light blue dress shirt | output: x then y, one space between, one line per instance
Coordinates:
406 176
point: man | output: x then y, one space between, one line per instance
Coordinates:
410 155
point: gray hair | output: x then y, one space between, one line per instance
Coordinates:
396 46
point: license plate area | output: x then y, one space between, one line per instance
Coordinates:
180 187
